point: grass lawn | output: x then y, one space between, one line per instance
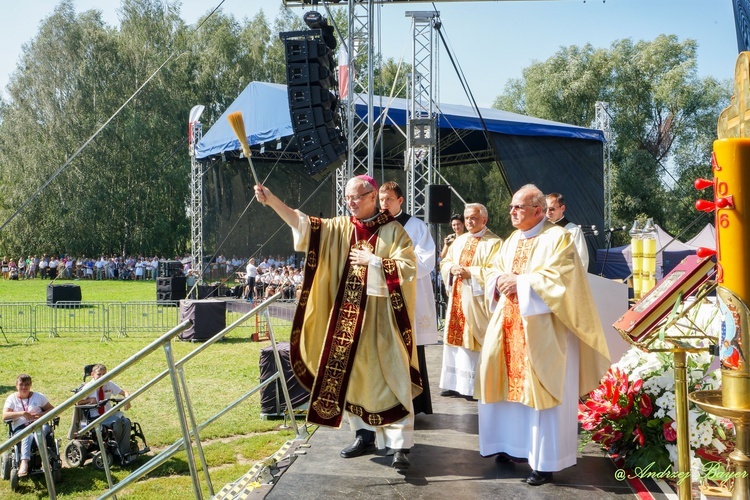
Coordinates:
218 376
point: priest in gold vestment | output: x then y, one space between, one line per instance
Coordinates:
544 346
352 344
463 271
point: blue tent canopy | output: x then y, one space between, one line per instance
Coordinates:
557 157
265 109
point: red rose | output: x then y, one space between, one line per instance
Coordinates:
669 433
636 387
639 436
646 407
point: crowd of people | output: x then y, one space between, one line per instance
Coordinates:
69 267
522 334
116 267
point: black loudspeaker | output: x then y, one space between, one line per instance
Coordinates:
438 204
171 289
272 403
63 293
313 103
169 268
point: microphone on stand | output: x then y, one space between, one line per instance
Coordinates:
615 229
589 230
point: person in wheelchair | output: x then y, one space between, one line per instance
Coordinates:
24 407
118 422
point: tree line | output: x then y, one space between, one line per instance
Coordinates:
127 191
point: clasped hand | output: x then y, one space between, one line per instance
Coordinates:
360 256
506 284
460 271
31 415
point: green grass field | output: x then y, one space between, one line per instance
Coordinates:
222 373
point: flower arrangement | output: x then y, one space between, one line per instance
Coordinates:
632 413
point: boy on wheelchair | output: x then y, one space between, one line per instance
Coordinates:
119 424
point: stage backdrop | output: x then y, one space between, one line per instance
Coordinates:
556 156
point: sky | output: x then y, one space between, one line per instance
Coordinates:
493 41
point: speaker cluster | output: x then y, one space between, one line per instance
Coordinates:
313 95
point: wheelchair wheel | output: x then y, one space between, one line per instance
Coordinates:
13 479
99 462
75 455
5 465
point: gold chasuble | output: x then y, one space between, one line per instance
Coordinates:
468 315
523 357
352 345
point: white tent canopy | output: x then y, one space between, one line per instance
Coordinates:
706 238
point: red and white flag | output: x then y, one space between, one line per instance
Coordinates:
343 73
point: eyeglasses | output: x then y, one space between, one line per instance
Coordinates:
520 207
552 209
350 199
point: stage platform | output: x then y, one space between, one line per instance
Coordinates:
445 464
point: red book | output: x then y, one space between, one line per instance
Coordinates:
636 324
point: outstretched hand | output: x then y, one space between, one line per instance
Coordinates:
262 193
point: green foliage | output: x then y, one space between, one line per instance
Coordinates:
127 191
663 118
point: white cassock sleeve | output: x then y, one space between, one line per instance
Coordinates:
529 302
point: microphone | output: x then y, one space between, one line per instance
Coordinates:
615 229
586 227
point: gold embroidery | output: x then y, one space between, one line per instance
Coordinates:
312 259
397 301
389 266
514 338
457 320
374 419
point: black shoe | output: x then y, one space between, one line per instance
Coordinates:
537 477
448 392
504 458
400 460
357 448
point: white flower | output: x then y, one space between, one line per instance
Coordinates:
672 449
718 445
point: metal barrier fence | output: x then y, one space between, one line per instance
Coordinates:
122 318
18 317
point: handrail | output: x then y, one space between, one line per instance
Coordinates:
175 371
196 428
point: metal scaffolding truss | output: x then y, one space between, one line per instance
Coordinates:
360 130
421 137
196 202
602 122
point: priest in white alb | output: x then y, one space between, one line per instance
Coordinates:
544 346
425 314
463 270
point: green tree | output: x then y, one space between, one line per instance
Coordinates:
126 192
661 117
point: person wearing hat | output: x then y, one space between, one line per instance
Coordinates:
352 343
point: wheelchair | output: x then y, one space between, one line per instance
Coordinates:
10 461
86 445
